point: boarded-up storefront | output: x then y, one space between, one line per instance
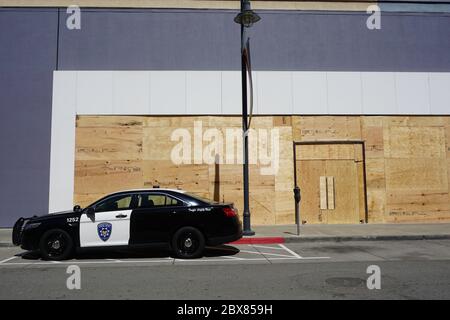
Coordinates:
352 169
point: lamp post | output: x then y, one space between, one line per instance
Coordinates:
246 18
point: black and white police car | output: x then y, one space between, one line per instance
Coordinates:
134 218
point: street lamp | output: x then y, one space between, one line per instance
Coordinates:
246 18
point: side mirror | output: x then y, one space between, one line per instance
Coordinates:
76 208
89 211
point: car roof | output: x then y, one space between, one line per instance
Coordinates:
150 189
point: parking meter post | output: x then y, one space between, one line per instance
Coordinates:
297 198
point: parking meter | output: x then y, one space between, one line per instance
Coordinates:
297 198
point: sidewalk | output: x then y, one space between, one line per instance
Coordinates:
356 232
308 233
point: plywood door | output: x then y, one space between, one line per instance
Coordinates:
345 196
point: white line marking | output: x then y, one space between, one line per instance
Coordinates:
83 262
246 251
6 260
289 250
155 261
265 253
231 257
264 247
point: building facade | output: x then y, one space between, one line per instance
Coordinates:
359 117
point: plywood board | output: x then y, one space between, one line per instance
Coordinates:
376 203
407 164
326 152
193 178
374 143
414 142
375 174
109 143
413 121
308 173
323 193
282 121
422 202
109 121
102 177
313 128
330 193
416 176
346 192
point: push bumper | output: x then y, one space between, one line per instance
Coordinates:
18 231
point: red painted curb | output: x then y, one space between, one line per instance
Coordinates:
259 240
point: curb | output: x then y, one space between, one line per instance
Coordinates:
367 238
275 240
6 245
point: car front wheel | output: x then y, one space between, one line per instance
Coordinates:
188 243
56 244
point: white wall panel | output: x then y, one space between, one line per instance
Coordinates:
378 93
440 93
62 150
274 91
344 93
168 92
203 92
131 92
231 92
412 93
217 92
94 92
309 90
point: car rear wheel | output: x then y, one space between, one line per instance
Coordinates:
56 244
188 243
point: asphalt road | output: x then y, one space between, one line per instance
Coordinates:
409 270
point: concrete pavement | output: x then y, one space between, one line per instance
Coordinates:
408 270
356 232
310 233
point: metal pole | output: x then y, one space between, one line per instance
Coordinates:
247 231
297 195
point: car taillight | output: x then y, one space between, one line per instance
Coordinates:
229 212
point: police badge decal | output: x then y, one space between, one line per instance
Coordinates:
104 230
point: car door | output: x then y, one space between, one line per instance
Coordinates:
153 218
110 225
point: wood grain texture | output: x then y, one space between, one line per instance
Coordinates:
407 164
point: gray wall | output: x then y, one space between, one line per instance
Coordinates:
153 39
200 40
27 59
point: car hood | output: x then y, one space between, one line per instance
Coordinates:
53 215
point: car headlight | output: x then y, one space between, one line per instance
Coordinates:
32 225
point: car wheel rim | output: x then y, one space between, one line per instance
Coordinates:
56 245
188 243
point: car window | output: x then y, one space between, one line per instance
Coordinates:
149 200
115 203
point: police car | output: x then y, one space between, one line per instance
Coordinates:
135 218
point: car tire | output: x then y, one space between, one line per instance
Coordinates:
56 244
188 243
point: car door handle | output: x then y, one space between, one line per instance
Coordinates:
121 216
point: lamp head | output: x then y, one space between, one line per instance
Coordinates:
247 17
